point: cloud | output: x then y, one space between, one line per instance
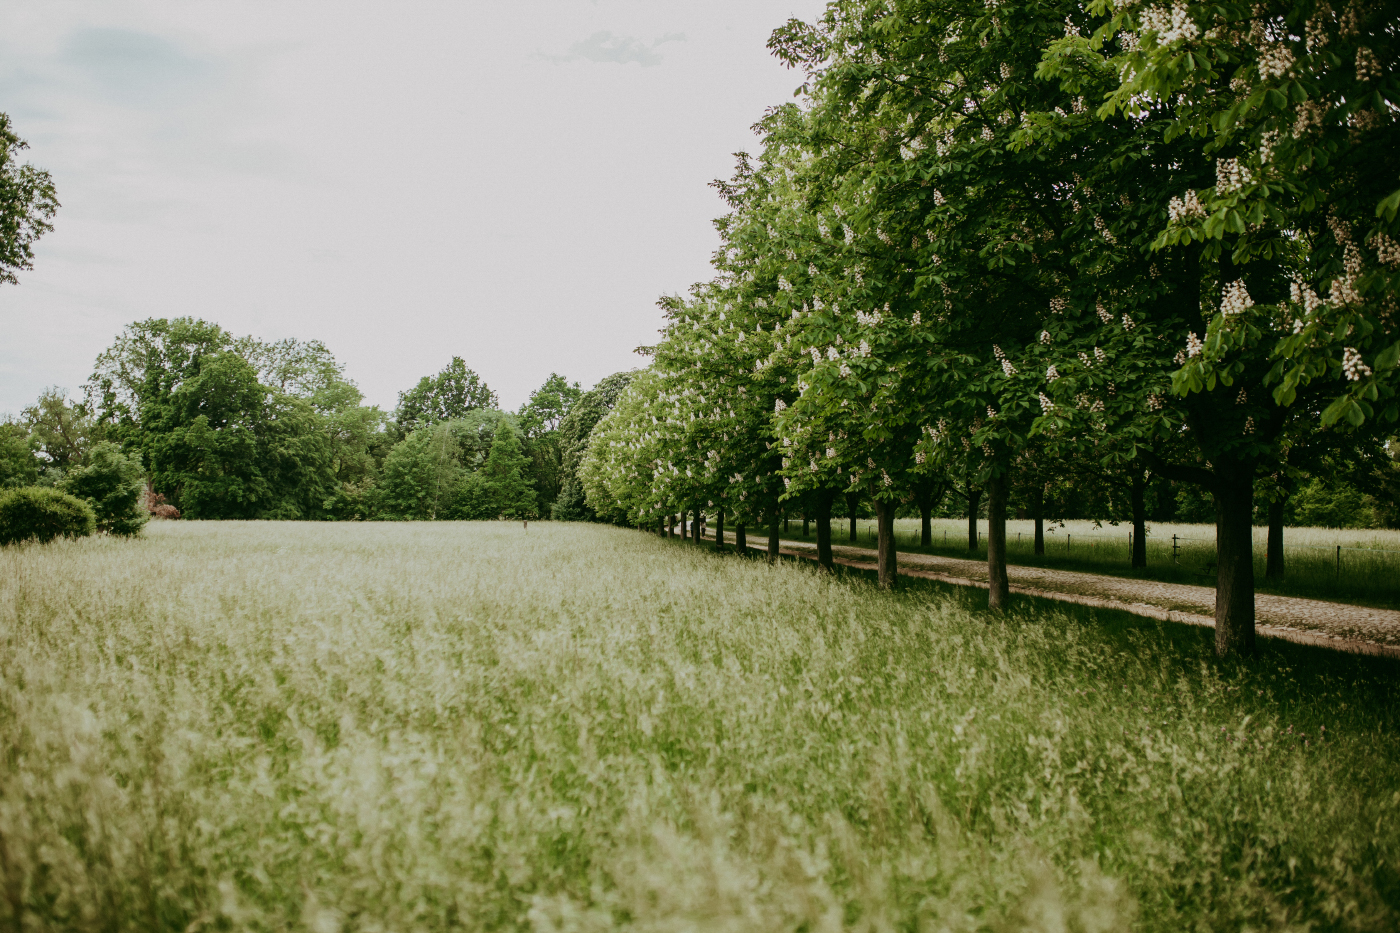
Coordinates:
621 50
136 69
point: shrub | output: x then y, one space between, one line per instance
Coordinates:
114 484
35 513
155 504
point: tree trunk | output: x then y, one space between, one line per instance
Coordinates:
923 495
974 499
1139 520
773 536
852 506
741 544
1234 556
999 585
662 530
804 523
888 568
1273 566
719 530
824 557
1038 506
695 527
787 523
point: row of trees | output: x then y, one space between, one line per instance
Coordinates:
224 427
997 242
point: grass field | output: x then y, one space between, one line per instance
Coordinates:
395 727
1367 571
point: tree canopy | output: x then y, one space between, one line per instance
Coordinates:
997 235
27 205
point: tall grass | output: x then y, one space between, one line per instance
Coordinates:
1366 571
438 726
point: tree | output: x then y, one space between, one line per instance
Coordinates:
27 205
63 431
504 475
114 485
548 406
539 421
453 392
421 475
222 445
574 432
19 464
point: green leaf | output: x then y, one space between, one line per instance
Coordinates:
1388 357
1388 207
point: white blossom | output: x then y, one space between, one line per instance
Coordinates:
1231 176
1235 299
1352 365
1180 210
1170 25
1275 61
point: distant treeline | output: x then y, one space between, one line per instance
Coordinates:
238 428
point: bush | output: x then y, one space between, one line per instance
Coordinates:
35 513
114 484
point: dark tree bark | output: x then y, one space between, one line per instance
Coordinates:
805 518
1273 565
1038 510
741 544
695 527
661 526
1231 485
773 524
999 585
923 496
1233 490
1139 502
888 569
824 557
852 506
974 500
719 530
669 522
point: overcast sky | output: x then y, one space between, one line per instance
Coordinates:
510 182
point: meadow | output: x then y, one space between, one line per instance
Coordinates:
473 726
1366 571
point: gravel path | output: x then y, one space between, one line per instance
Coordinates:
1310 621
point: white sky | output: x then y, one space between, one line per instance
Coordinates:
514 183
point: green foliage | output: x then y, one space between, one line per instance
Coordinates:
19 463
37 514
114 485
449 395
504 476
63 431
237 428
421 474
27 205
575 430
1330 503
227 446
548 406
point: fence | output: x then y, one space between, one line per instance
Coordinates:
1115 547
